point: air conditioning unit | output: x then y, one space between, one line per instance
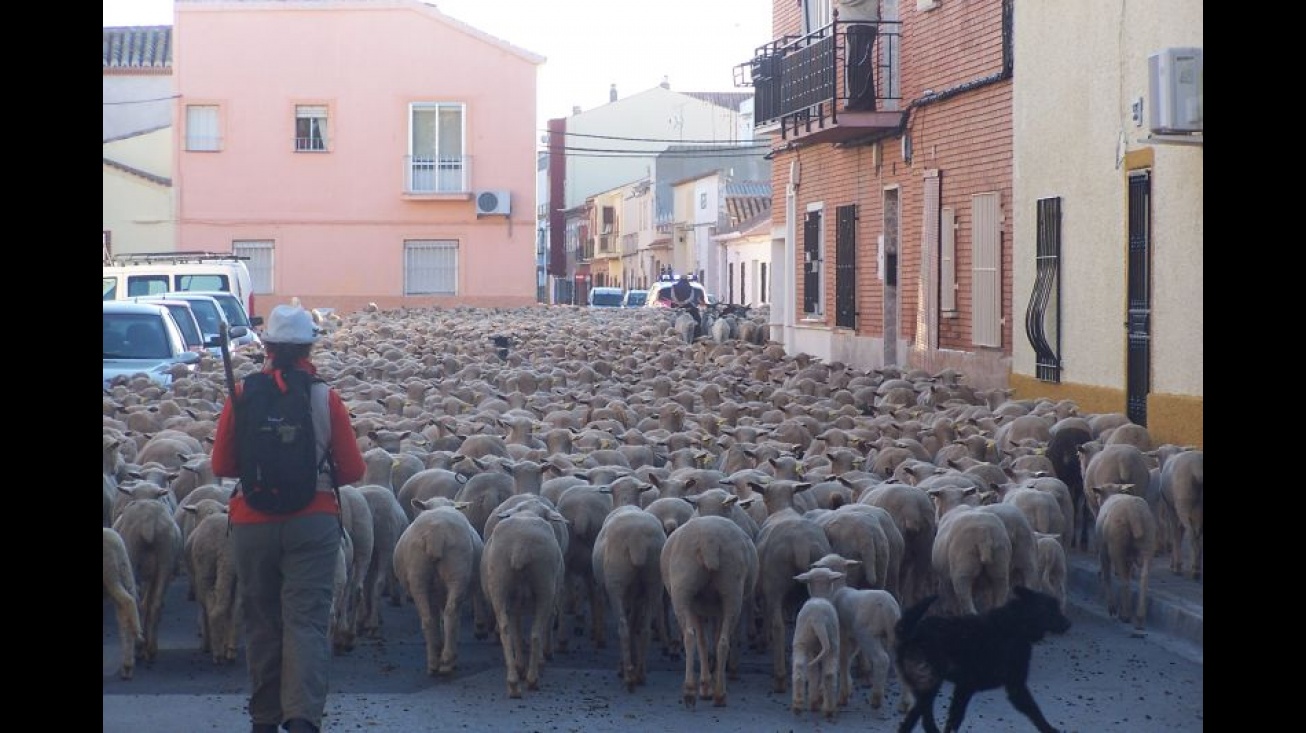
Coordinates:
1174 86
493 202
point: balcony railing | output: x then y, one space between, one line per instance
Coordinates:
437 174
806 81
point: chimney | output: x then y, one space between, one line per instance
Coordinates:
665 84
575 109
612 93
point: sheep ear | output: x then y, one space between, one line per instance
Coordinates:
803 577
730 500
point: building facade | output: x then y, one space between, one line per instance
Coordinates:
360 171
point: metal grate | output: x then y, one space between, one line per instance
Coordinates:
845 266
1139 315
1043 316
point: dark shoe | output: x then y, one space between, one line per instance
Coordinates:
299 725
263 728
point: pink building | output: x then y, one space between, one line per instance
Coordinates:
357 151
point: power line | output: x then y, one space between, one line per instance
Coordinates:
144 101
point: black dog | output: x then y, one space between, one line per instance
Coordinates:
974 652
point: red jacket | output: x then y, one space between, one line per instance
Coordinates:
344 449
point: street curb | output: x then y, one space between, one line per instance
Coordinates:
1177 619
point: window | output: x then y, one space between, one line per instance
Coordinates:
812 269
816 15
1043 316
310 127
948 260
986 270
259 264
436 163
430 267
202 133
761 283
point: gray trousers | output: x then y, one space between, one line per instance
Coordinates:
285 573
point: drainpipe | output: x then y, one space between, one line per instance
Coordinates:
791 253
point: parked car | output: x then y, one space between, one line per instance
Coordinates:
236 315
212 320
155 273
186 321
605 297
659 296
143 338
635 299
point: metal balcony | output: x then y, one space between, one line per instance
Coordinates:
805 89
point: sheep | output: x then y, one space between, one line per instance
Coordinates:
672 512
584 508
356 518
972 558
212 569
1119 463
913 514
859 536
437 560
1051 553
709 568
788 544
1024 557
388 522
120 587
521 571
1126 531
428 483
1064 440
1181 510
816 647
867 620
627 565
153 542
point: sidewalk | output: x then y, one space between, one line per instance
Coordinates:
1174 603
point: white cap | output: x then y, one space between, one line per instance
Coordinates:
290 324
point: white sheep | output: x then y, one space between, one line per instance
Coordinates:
437 561
388 522
212 570
709 567
1126 535
816 648
153 542
521 571
584 508
787 545
867 626
120 587
1181 510
972 559
626 558
913 513
1051 554
356 518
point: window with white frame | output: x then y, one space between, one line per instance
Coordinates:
431 267
259 263
202 132
436 163
310 127
816 15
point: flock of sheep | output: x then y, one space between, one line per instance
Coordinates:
546 466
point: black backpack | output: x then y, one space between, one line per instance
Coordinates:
275 443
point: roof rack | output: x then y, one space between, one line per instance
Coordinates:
176 258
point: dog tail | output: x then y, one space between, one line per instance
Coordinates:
912 616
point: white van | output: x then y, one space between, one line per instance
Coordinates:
155 273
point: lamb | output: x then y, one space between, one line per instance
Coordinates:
1181 510
212 569
627 566
521 571
153 542
709 567
816 647
867 617
120 587
437 560
1126 531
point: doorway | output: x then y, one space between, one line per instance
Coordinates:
890 276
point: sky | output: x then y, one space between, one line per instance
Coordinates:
695 44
